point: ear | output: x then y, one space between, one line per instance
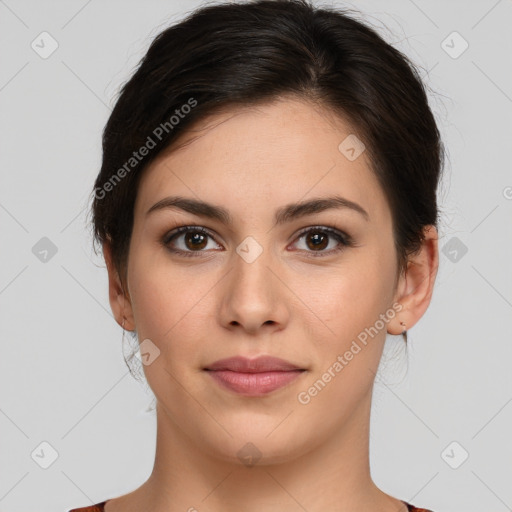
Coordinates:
118 297
415 286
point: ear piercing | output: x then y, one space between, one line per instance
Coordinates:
403 325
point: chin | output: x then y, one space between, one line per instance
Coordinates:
258 446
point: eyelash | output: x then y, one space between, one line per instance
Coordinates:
343 239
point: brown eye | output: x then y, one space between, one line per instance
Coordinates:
188 241
317 239
194 240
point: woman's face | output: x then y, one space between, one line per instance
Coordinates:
253 286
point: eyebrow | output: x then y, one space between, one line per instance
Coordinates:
283 214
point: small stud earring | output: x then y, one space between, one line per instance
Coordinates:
403 325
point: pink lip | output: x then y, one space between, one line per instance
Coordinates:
253 377
257 365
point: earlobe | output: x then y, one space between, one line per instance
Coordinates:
118 297
416 286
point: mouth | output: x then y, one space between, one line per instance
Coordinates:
253 377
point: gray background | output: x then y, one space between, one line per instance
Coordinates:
63 380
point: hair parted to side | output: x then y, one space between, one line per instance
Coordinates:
231 55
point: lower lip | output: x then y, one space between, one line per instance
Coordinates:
254 384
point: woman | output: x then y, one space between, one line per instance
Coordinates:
267 211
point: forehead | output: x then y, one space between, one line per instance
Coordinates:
259 157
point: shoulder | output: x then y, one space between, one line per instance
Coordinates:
92 508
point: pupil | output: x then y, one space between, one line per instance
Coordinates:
316 238
196 237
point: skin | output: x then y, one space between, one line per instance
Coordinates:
304 309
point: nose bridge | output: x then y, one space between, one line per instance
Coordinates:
252 299
251 266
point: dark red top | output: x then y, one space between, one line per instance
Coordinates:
99 508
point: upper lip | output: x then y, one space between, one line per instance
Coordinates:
257 365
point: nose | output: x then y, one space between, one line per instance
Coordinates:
254 298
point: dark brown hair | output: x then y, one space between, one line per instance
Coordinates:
229 55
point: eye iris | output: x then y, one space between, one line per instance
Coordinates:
195 237
317 243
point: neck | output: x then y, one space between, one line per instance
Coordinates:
334 475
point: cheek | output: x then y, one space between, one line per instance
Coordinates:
350 297
162 293
350 303
170 310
